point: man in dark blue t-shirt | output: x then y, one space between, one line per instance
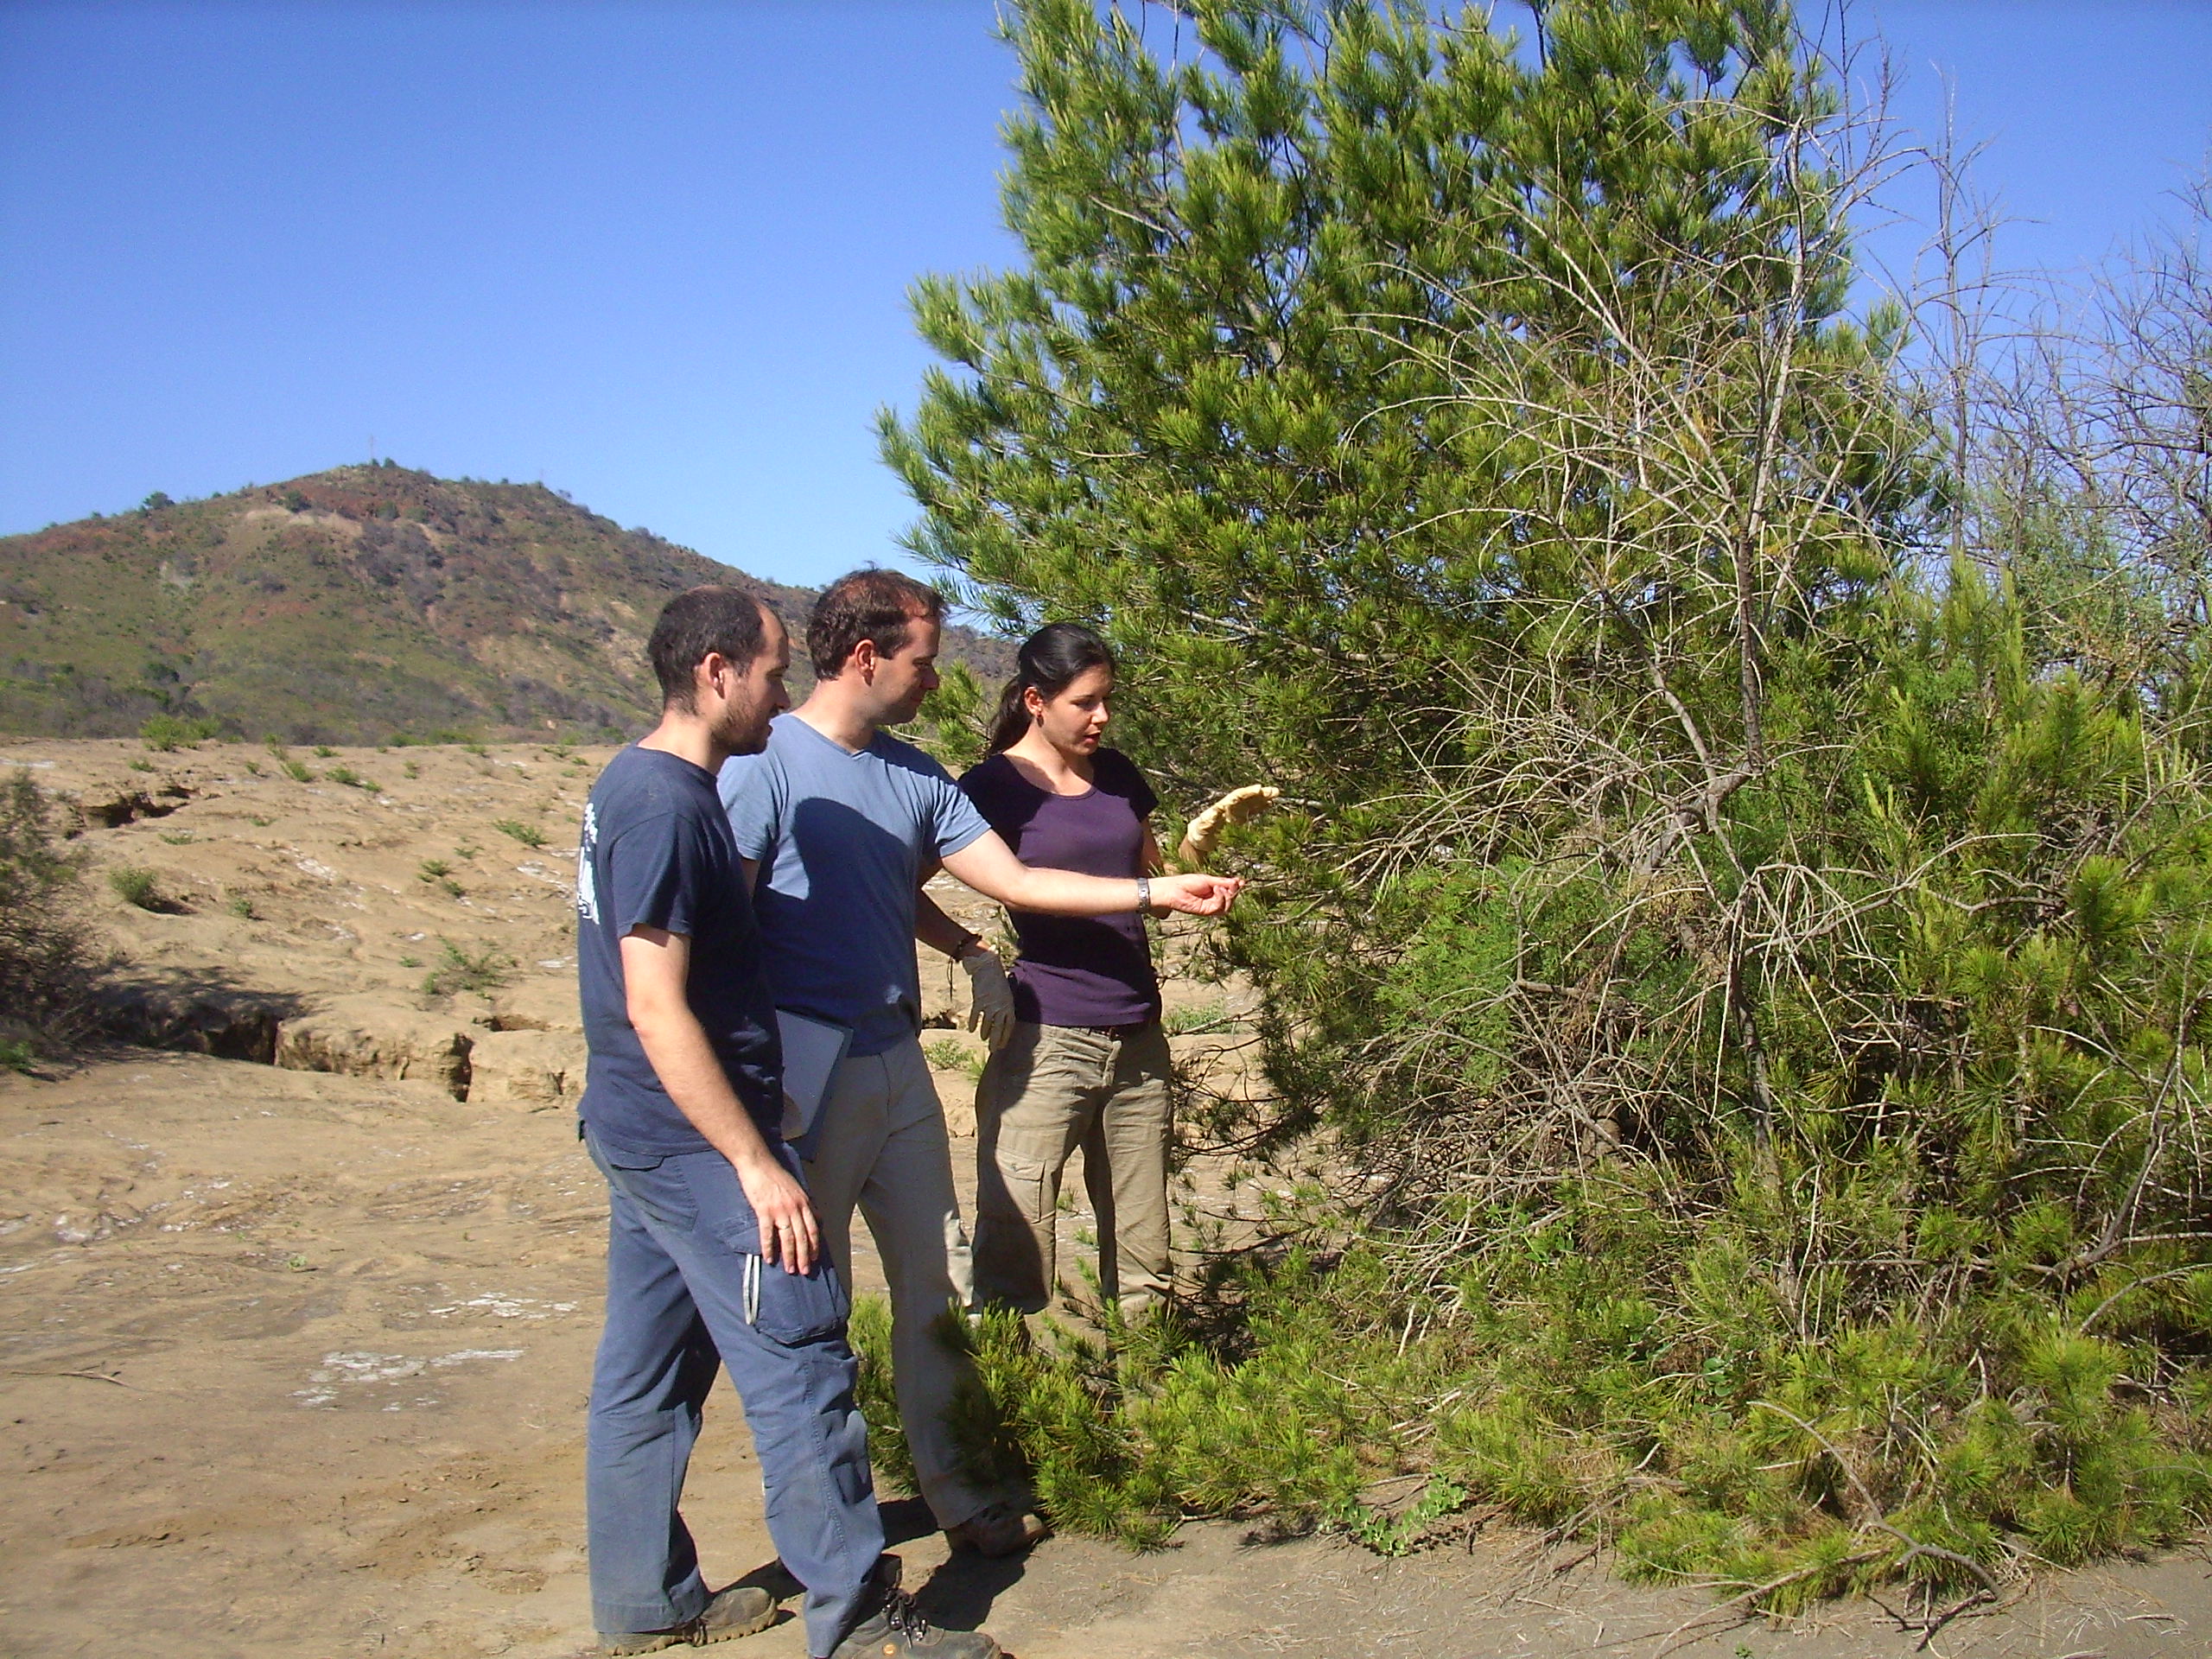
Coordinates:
714 1251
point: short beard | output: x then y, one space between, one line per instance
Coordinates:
745 733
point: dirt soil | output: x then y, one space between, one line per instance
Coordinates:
293 1356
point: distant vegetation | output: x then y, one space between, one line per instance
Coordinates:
368 604
165 733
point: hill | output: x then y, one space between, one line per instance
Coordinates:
357 605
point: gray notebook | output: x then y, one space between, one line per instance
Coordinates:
813 1049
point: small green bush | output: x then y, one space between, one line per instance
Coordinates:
950 1054
297 772
528 833
135 885
1124 1437
457 971
168 733
1181 1022
47 962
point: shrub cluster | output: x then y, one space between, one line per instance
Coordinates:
166 732
1748 969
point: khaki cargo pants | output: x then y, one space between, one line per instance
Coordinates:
1050 1090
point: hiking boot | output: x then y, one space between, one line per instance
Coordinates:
897 1630
739 1610
999 1529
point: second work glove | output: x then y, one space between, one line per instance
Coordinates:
990 998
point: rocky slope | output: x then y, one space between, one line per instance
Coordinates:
351 606
402 914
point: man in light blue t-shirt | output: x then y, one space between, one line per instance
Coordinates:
845 834
838 825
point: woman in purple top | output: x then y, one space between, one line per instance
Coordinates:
1087 1064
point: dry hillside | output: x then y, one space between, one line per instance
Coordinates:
351 606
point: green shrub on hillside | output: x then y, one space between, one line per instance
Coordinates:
166 732
137 886
47 962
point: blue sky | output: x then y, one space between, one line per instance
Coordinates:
658 253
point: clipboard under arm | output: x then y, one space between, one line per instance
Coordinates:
813 1050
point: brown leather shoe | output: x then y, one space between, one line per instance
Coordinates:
999 1529
739 1610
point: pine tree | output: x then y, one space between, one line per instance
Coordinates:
1764 993
1408 411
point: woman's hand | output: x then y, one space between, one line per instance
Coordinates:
1195 895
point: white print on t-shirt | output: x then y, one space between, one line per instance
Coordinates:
587 893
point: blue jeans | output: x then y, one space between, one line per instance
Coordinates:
686 1288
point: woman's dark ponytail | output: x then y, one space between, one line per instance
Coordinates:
1011 721
1051 659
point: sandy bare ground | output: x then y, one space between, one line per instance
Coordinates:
295 1362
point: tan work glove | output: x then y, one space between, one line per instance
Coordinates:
1238 806
990 998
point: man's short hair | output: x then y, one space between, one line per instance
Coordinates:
873 605
697 621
